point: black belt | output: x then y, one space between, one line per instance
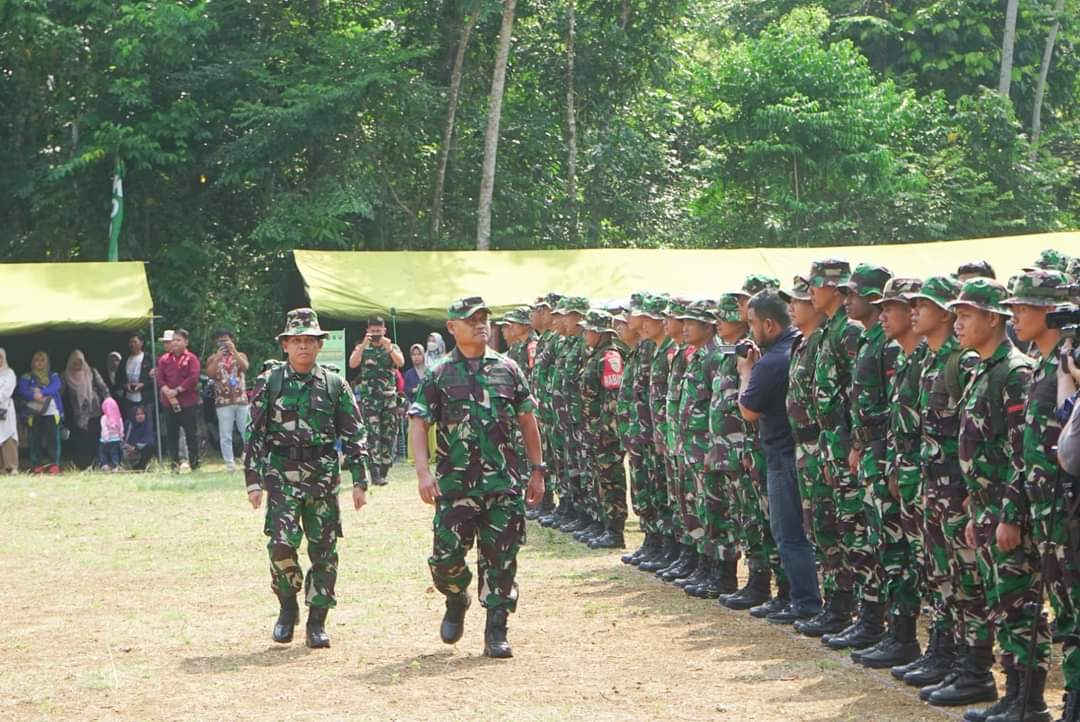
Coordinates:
908 444
808 434
302 453
870 434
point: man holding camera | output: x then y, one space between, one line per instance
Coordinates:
227 368
377 393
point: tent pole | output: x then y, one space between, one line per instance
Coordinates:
157 395
393 323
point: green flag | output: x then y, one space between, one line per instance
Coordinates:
116 217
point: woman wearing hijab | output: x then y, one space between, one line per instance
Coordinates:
85 390
9 430
139 440
39 399
113 376
436 349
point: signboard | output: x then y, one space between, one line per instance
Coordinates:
333 351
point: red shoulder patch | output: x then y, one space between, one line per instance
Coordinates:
688 352
612 372
532 353
671 352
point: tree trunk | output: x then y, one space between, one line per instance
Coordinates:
448 131
571 126
1007 43
491 136
1044 71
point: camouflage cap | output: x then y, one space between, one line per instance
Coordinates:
517 315
941 290
302 322
867 280
1073 270
728 308
652 307
799 291
829 273
636 300
465 307
572 304
985 294
676 306
900 289
598 321
1039 288
757 282
976 269
700 310
1050 260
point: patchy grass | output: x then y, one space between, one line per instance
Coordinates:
146 597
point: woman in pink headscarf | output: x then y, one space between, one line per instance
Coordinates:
111 448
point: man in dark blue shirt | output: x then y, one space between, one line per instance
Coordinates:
763 386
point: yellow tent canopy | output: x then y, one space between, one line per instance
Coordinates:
420 285
38 296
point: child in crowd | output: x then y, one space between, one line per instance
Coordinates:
112 436
139 443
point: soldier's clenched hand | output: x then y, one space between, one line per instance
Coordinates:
255 498
1008 536
427 486
359 498
534 494
969 534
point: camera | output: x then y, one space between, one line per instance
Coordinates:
741 349
1066 318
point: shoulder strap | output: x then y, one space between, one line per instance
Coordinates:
999 376
952 377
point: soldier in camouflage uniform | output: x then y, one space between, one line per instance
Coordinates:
1031 506
299 411
901 537
600 381
990 446
676 481
475 397
832 406
871 374
819 507
560 470
547 349
377 358
571 421
522 341
945 370
710 525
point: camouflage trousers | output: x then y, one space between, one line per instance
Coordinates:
608 478
902 547
497 525
1011 595
660 501
714 510
289 519
645 472
382 421
556 463
952 573
819 517
1062 577
673 478
690 522
750 515
852 500
862 534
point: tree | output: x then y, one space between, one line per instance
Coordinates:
491 135
1007 42
1044 71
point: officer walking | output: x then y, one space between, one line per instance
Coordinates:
299 411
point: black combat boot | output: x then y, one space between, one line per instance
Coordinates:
316 628
834 618
593 530
576 521
684 561
1071 706
935 669
973 684
698 576
655 552
710 578
453 622
1031 699
755 592
385 469
900 670
867 631
774 605
558 516
287 618
647 545
495 644
900 647
612 538
1012 691
727 578
665 557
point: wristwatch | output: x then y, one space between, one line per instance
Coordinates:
539 467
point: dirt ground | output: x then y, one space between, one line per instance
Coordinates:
146 598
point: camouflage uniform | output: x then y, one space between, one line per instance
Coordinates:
542 382
676 483
1029 499
643 461
659 375
377 393
901 532
628 427
819 508
523 352
832 406
474 404
296 420
600 382
569 413
991 446
871 375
